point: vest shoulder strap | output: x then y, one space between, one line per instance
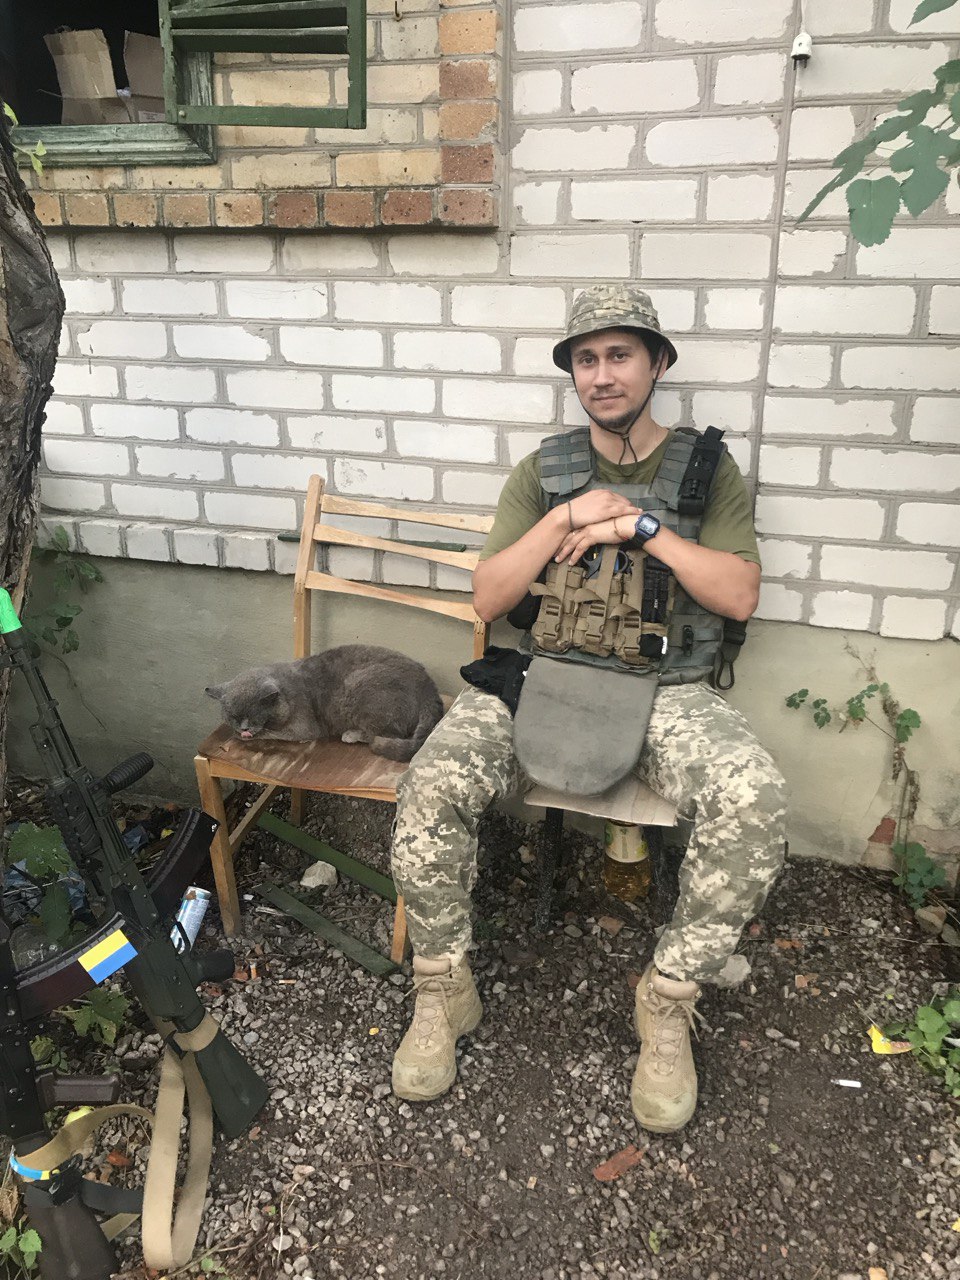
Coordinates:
566 462
705 456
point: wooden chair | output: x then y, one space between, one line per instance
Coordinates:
332 767
352 769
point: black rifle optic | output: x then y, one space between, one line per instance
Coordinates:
133 932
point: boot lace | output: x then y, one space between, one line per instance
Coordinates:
671 1019
432 992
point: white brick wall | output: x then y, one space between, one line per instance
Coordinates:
723 140
204 375
572 28
629 88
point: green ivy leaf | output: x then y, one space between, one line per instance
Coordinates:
41 849
928 7
948 72
795 699
42 1048
111 1006
932 1023
60 539
921 155
29 1245
855 709
873 205
8 1239
821 717
9 112
951 1010
906 722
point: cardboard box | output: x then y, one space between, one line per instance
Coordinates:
143 57
87 85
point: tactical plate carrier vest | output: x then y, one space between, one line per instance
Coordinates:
626 611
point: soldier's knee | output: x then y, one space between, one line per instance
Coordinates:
433 784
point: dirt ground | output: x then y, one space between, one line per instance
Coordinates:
783 1172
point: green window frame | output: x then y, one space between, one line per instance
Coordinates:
191 32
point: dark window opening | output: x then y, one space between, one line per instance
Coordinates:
28 71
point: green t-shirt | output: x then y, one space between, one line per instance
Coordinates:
727 522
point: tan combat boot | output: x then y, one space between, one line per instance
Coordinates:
664 1090
425 1064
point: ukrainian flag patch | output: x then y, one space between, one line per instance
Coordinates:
108 956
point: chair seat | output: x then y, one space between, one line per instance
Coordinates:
629 800
338 768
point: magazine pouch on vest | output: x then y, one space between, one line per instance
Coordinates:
614 626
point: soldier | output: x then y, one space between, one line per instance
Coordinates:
698 751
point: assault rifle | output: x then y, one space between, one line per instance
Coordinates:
133 933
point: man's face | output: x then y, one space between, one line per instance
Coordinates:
613 375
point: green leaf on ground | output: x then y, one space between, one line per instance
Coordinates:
40 848
873 205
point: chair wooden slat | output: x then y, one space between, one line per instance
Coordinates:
348 538
317 581
374 510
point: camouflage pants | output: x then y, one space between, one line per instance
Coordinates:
699 753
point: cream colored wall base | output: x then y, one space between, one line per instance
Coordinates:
152 636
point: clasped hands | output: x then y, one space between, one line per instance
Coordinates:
597 517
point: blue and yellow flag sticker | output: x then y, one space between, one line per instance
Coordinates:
108 956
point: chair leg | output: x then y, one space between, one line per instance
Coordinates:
298 806
551 842
398 947
221 855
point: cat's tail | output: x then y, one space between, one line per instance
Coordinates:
406 748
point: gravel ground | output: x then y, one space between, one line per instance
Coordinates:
782 1172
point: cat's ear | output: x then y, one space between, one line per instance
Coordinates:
214 691
269 693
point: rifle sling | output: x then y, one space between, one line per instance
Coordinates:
169 1237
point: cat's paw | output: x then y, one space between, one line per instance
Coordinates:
352 735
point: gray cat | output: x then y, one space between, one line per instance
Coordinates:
356 692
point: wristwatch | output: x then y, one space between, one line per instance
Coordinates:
647 527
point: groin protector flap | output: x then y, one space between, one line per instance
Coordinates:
580 728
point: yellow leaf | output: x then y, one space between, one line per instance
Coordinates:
877 1273
956 1225
374 1031
880 1044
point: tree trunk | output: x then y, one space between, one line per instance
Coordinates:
31 312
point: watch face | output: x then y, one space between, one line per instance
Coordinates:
648 525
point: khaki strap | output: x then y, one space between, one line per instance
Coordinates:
71 1137
169 1237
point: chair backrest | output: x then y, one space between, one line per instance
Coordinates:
317 530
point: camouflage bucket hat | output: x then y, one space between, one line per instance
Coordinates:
610 306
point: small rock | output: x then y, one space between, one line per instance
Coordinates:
734 972
319 875
931 919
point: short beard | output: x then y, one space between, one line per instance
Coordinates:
619 425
